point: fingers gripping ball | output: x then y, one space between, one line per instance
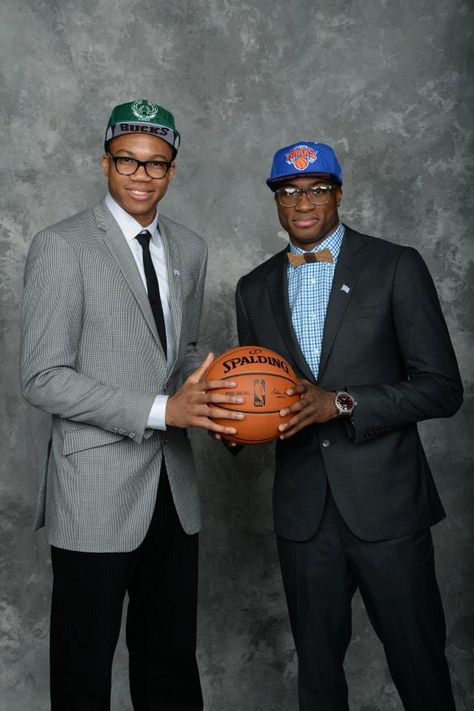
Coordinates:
262 377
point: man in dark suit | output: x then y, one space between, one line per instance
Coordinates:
111 314
359 320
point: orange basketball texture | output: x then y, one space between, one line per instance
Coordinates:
262 378
301 163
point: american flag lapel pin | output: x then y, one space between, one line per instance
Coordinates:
346 289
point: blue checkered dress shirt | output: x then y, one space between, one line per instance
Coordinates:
309 286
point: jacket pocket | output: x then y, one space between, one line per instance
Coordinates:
87 438
358 314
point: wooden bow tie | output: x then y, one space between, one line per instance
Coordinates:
324 255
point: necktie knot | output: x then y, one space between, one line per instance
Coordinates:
324 255
143 238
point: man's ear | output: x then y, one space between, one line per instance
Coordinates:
106 165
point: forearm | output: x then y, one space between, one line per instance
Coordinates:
52 329
63 392
382 408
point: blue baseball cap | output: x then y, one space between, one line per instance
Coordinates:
304 159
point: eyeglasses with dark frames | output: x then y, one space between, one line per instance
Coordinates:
156 169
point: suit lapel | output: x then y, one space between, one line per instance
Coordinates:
173 265
120 251
277 283
345 279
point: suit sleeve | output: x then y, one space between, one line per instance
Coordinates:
52 316
433 387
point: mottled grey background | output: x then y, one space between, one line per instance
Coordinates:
389 84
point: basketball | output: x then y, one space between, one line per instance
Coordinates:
262 377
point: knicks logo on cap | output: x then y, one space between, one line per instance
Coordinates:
301 156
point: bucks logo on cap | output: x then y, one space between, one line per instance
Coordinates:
144 110
142 116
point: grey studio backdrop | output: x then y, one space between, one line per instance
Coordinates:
388 84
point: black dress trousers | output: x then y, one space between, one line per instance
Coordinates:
160 577
397 582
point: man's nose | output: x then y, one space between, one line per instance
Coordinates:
304 203
140 174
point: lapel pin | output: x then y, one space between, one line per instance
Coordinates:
176 272
345 288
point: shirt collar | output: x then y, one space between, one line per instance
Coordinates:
332 242
128 224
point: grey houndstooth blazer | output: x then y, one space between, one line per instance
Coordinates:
91 357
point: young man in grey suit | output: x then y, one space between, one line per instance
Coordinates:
359 320
111 313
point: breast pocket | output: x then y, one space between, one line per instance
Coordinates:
355 314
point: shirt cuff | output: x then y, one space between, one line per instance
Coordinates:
156 418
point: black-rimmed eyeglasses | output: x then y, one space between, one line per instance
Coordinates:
128 166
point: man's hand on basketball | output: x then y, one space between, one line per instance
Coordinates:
314 406
194 404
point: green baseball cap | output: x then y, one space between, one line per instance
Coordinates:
142 116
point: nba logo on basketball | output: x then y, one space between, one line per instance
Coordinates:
301 156
259 392
262 378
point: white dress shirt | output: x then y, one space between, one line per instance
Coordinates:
130 228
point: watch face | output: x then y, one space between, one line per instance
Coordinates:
345 402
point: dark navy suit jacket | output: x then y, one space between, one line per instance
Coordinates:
386 342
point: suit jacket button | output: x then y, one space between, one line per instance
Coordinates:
325 443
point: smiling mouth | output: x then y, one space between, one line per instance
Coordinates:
139 194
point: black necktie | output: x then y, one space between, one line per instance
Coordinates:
152 286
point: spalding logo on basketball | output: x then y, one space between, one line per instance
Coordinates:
262 377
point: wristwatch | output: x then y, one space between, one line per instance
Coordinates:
344 403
